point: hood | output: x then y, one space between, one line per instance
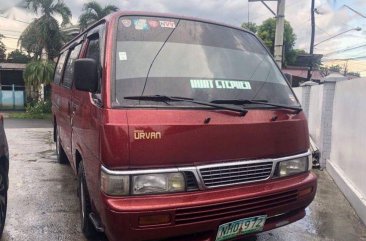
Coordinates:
169 138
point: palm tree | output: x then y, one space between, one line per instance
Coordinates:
44 33
37 73
93 12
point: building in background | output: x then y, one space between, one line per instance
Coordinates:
12 86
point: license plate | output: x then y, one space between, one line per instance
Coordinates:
240 227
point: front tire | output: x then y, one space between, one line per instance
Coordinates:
61 155
85 208
3 198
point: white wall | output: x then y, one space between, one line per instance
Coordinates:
298 93
337 122
315 110
349 134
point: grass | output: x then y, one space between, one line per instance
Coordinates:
28 115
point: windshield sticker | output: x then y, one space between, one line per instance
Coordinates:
140 24
167 24
153 23
127 23
220 84
122 56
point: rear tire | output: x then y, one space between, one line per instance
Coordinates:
61 155
3 197
85 208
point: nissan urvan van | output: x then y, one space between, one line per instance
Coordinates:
179 129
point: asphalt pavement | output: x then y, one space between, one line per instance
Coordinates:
42 201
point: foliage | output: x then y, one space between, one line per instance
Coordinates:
18 56
336 68
267 31
39 107
44 32
93 11
357 74
2 48
37 73
324 71
250 26
34 110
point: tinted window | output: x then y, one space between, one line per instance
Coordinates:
69 67
59 67
93 52
203 61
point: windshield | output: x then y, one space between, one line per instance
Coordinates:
202 61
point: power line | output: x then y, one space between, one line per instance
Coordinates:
11 37
287 7
354 58
345 50
14 20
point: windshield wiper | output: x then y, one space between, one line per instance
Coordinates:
165 98
259 102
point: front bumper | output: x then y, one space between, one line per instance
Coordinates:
197 215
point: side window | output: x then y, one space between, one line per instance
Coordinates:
93 52
69 67
59 68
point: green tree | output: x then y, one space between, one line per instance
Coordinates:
250 26
44 33
36 73
336 68
18 56
2 49
357 74
93 11
266 31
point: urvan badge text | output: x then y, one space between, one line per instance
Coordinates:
142 135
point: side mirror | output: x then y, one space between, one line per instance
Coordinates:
86 75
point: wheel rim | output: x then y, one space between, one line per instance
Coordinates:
2 201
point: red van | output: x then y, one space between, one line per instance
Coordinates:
179 129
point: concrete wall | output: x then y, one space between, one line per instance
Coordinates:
348 159
337 123
315 108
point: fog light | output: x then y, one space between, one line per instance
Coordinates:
154 219
305 191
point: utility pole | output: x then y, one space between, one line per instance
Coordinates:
280 26
311 52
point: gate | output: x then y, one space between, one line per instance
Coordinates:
12 97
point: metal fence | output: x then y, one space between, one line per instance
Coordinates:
12 97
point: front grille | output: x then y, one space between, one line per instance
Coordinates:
223 175
242 208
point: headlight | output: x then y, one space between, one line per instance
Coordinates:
291 167
115 185
158 183
122 185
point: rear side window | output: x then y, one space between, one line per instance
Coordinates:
93 52
69 67
59 68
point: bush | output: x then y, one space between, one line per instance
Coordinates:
40 107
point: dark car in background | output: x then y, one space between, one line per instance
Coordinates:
4 169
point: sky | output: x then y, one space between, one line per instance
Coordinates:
332 18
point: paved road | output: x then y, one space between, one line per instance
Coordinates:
43 203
